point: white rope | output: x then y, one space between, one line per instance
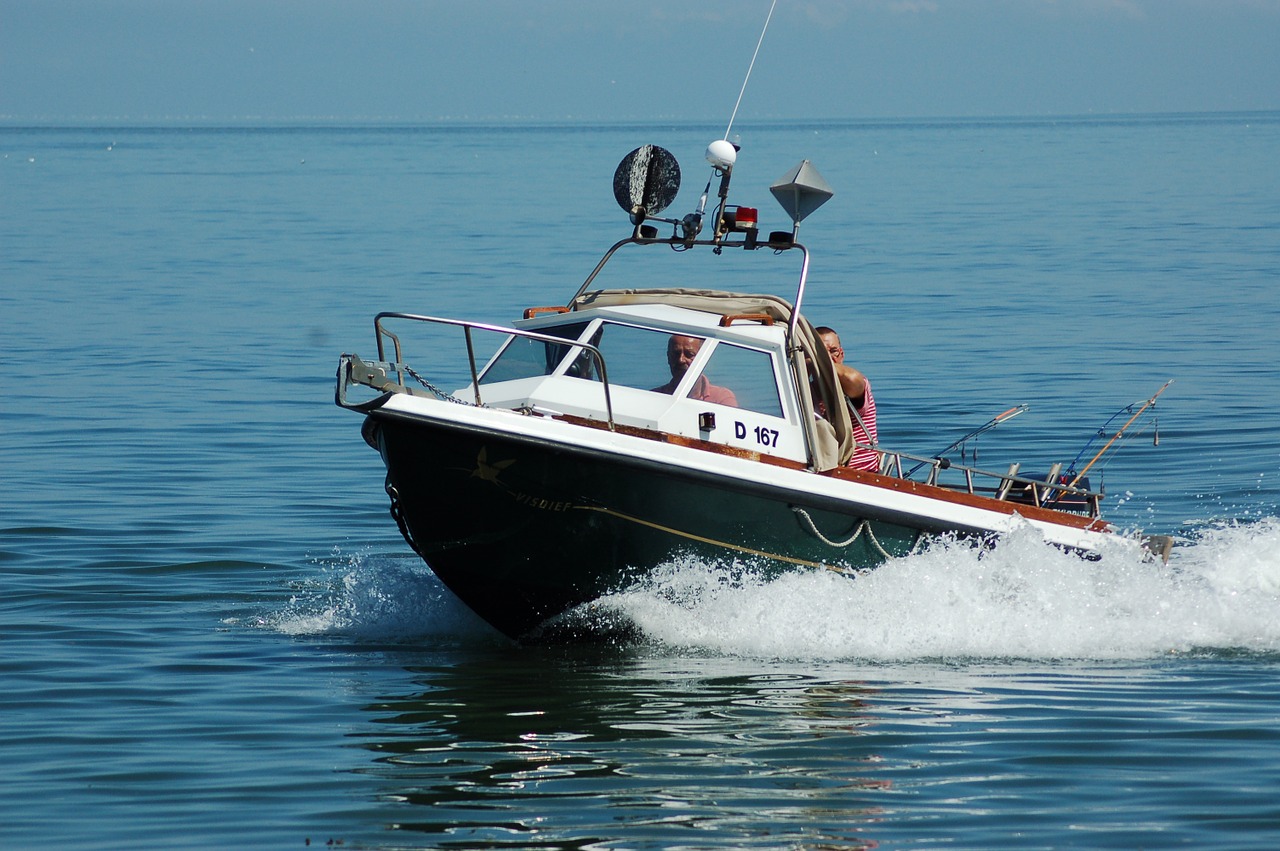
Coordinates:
871 536
862 526
817 534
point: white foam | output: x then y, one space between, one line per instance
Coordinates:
1021 599
380 597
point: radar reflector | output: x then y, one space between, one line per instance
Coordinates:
801 191
646 182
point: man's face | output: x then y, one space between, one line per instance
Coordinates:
832 344
680 353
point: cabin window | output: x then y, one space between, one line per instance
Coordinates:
526 358
749 374
634 357
638 357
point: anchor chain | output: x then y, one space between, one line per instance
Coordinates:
397 513
448 397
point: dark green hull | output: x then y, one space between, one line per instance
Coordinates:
523 530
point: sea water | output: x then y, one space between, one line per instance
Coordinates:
214 636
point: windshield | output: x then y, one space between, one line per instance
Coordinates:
690 366
523 357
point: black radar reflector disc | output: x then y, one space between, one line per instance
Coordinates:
646 181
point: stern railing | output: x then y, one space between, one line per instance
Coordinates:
1048 492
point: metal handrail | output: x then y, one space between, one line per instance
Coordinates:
1042 490
683 244
467 327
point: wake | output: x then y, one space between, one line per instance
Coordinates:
1019 600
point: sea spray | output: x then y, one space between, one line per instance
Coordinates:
1019 599
380 597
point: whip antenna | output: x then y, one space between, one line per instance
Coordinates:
722 154
743 90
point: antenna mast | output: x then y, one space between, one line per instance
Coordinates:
743 90
722 153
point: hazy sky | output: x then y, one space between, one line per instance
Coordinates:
606 60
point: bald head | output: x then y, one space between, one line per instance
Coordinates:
681 351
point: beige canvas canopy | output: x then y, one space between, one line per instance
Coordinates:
831 439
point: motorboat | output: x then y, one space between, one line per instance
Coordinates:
538 466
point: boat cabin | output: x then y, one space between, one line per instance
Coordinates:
737 389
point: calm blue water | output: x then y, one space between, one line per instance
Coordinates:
212 635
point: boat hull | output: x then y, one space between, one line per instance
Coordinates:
522 529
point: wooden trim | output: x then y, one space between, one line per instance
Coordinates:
729 318
1031 512
891 483
531 312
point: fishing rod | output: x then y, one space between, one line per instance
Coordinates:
1102 432
985 427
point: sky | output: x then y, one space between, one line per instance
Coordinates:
610 60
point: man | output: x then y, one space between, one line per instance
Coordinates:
681 351
857 389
